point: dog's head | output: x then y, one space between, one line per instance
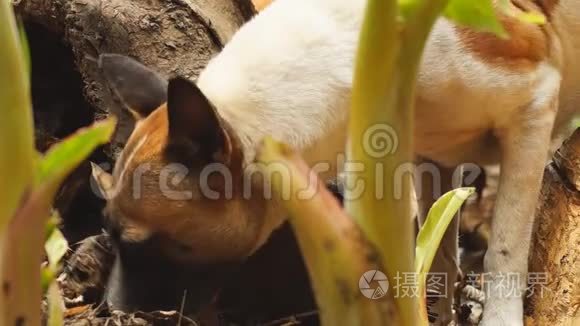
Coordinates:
180 176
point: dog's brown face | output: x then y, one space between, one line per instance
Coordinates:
180 176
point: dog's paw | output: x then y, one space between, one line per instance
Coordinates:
503 312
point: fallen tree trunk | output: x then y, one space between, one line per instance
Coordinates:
554 291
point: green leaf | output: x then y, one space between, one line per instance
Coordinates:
576 122
52 224
477 14
407 8
25 239
532 17
46 277
63 157
438 219
56 247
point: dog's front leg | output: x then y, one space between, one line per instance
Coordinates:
525 144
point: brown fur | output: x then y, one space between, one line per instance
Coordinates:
525 48
261 4
207 229
156 128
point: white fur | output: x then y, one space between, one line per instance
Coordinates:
287 75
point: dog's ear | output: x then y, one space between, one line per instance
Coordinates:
193 121
141 89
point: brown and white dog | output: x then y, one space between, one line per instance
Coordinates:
288 73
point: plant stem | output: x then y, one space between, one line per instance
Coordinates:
335 252
385 220
16 129
387 64
21 257
414 38
16 124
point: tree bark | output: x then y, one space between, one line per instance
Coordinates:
554 296
177 37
